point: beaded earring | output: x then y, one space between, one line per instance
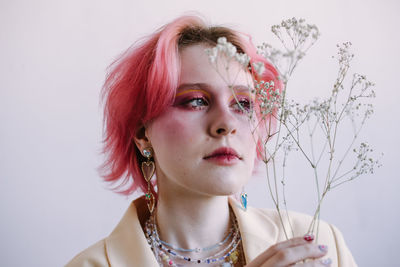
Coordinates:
148 169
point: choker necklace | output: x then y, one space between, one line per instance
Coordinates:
224 253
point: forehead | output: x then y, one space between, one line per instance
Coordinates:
224 73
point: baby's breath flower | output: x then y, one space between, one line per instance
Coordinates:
230 50
212 54
259 67
320 120
222 40
243 59
297 37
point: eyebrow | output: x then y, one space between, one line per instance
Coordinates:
241 88
194 87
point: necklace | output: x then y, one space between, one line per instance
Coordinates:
196 250
224 253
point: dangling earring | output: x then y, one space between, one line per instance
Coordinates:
243 199
148 169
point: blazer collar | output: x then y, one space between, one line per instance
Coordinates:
127 244
258 231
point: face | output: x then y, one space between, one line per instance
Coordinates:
203 144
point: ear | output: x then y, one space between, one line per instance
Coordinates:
141 139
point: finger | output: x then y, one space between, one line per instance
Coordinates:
292 255
321 262
265 256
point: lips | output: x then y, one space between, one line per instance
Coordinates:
225 154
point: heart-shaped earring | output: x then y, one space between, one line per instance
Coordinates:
148 169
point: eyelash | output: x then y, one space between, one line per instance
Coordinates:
245 104
189 102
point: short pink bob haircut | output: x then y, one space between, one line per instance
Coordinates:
141 84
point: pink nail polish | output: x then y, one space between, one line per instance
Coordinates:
323 248
326 262
309 237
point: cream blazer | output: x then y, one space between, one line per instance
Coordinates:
259 228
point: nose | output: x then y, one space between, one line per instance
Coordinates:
222 123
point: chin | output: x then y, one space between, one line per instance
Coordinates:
226 188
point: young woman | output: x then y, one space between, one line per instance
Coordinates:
169 110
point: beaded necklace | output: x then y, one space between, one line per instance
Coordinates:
196 250
226 253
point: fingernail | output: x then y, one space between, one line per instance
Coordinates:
309 237
323 248
327 261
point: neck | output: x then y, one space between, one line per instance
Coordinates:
192 221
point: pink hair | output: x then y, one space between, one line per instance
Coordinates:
141 84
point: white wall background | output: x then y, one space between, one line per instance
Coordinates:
53 56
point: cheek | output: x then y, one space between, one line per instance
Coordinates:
173 131
251 141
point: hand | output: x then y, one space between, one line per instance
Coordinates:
290 252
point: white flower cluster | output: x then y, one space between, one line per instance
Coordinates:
268 97
259 67
365 85
296 37
344 56
228 49
243 59
299 27
365 163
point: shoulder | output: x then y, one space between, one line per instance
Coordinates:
93 256
125 246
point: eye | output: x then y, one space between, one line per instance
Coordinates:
195 103
243 106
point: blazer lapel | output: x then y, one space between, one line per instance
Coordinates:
127 244
258 231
